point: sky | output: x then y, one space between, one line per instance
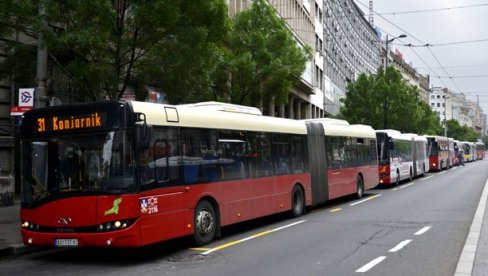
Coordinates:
457 32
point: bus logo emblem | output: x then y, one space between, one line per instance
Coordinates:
64 220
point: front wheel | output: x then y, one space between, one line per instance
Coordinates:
297 202
204 223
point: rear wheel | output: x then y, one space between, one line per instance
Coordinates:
360 187
297 202
204 223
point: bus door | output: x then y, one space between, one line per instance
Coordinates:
162 195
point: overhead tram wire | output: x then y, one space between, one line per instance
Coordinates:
432 10
415 38
442 44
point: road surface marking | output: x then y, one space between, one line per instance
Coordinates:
427 177
371 264
467 258
200 248
399 246
423 230
364 200
250 237
335 210
443 172
404 186
395 189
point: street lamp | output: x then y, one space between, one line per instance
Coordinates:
387 41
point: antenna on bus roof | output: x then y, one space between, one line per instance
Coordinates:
218 106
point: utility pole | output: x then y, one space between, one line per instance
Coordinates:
40 95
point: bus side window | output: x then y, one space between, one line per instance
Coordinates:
159 164
280 152
260 150
232 155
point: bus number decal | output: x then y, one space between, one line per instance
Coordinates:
41 124
149 205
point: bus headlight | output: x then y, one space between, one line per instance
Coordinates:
115 225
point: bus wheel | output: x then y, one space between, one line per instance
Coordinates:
397 181
204 223
360 187
297 202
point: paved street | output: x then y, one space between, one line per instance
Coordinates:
419 228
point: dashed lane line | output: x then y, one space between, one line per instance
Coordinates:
405 186
422 231
399 246
368 266
364 200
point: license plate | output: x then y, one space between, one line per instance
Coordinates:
66 242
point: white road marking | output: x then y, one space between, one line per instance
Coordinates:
399 246
443 172
364 200
404 186
427 177
423 230
371 264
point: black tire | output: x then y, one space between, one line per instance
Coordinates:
204 223
411 175
297 202
360 187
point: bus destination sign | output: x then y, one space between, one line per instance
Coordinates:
73 122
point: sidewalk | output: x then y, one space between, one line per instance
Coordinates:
10 238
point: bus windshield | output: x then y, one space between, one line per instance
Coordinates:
383 142
433 148
56 166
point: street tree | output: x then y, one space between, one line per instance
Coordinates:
261 61
461 133
386 101
101 48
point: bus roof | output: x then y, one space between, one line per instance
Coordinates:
227 116
200 116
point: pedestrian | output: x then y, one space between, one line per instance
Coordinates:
461 158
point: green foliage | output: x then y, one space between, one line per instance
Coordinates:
261 61
386 101
461 133
102 47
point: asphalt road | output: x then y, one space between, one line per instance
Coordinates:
418 228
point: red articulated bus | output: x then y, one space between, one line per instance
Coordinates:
129 174
439 152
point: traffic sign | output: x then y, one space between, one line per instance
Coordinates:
26 97
19 110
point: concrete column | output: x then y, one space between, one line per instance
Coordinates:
299 110
282 111
291 102
271 108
